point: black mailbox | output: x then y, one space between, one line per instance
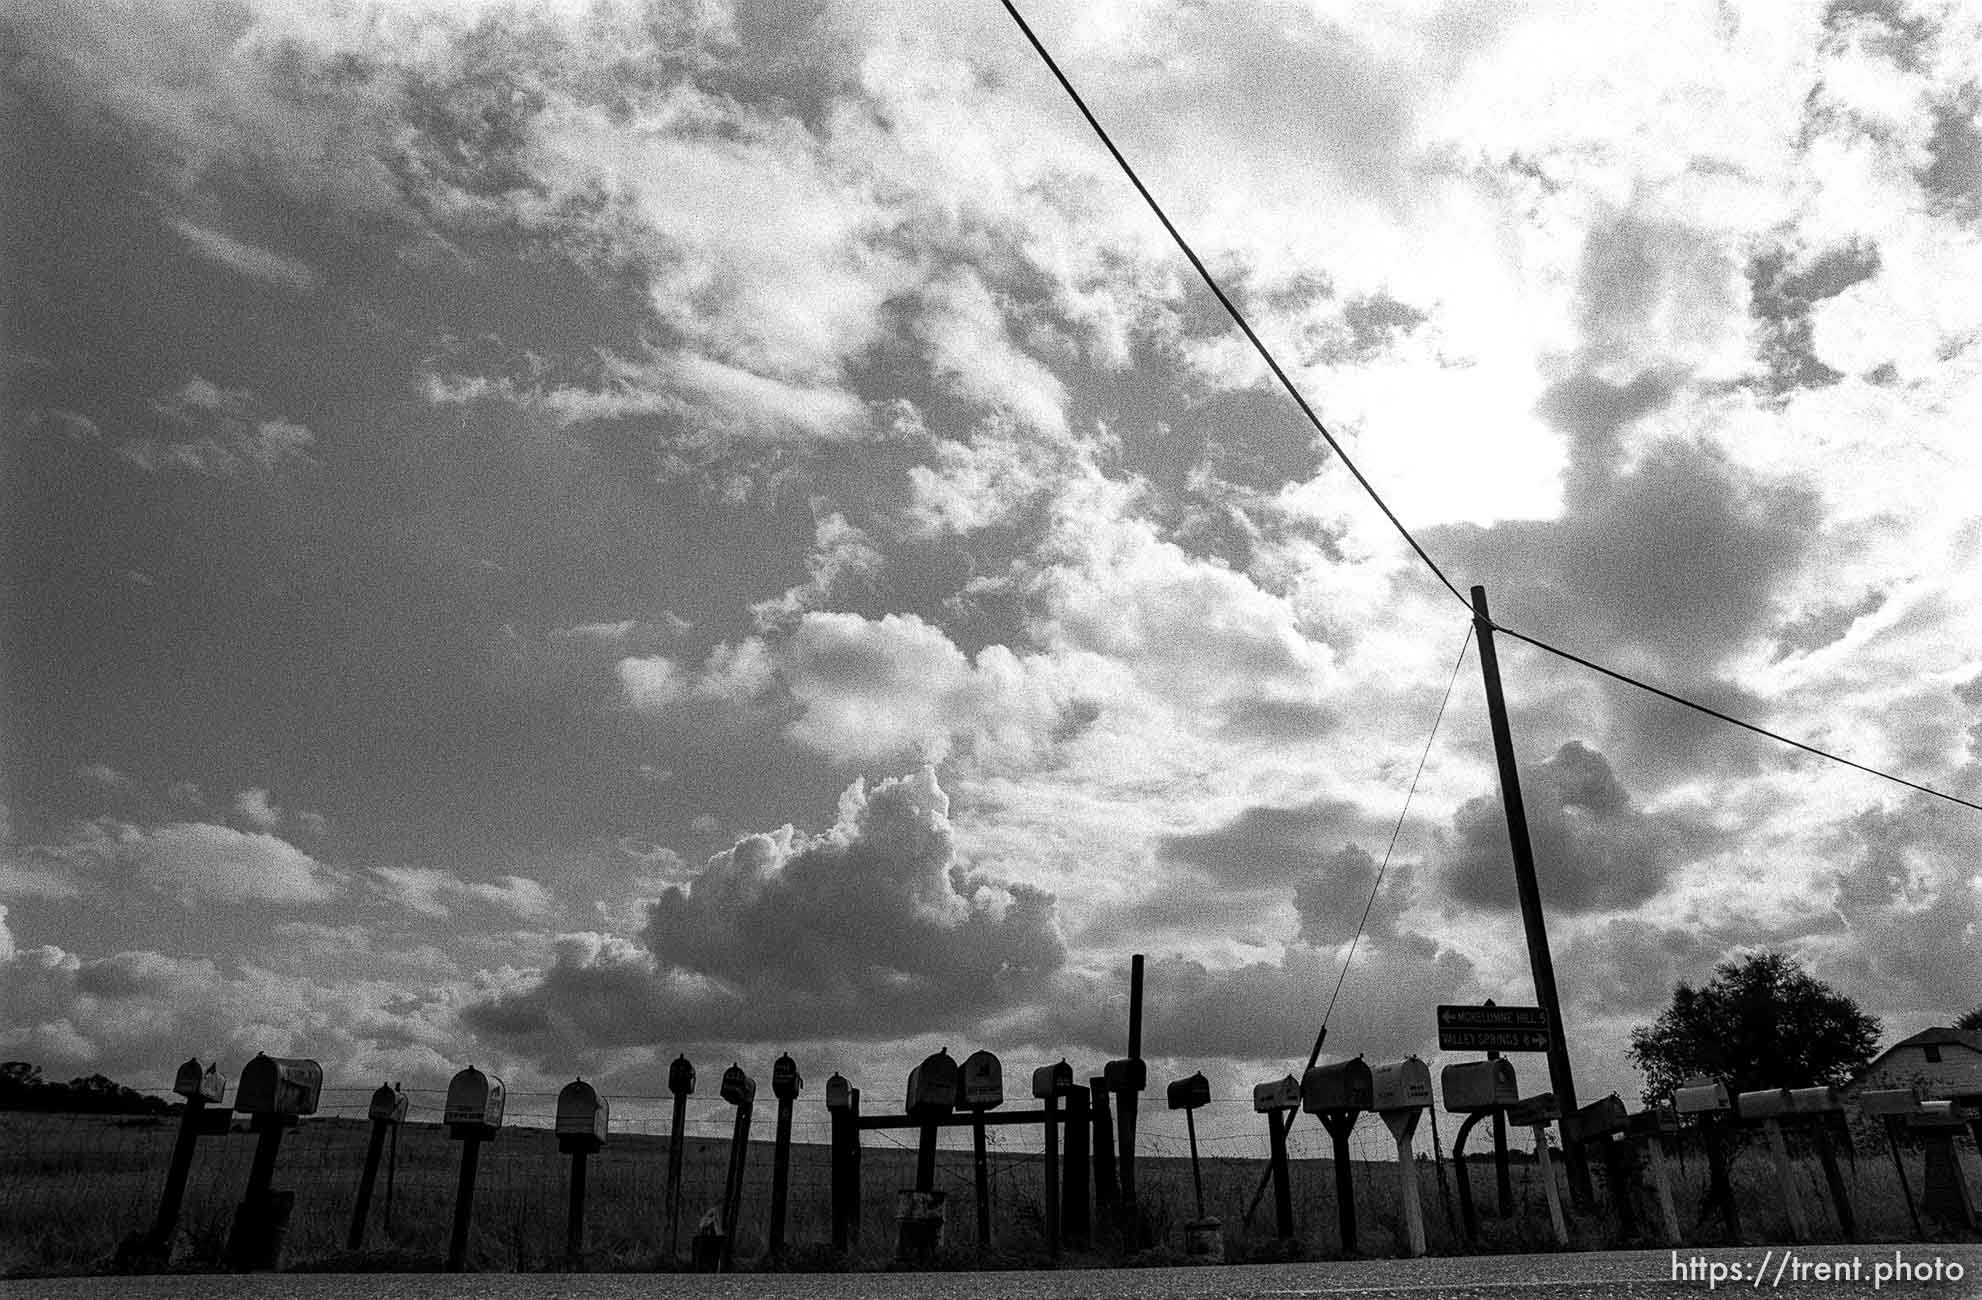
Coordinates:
1056 1080
1600 1119
738 1088
681 1077
983 1081
582 1116
1130 1075
1191 1093
1346 1085
206 1083
932 1086
839 1093
388 1104
785 1083
279 1085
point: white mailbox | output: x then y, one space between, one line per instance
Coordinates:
474 1100
1346 1085
207 1084
1401 1085
1701 1095
582 1116
983 1081
1474 1086
1277 1094
279 1085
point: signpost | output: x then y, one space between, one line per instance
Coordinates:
1492 1029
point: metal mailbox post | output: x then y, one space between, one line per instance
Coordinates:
1401 1093
1707 1099
1202 1235
1478 1090
582 1118
740 1091
275 1092
1278 1099
1337 1095
681 1083
983 1089
387 1111
473 1115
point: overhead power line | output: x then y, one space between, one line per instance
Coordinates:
1729 718
1266 355
1231 308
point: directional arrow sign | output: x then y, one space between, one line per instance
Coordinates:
1492 1029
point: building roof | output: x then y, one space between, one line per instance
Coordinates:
1941 1035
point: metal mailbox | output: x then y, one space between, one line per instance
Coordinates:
1189 1094
681 1077
1599 1119
785 1082
1474 1086
206 1083
983 1081
474 1098
839 1093
1531 1112
1940 1114
738 1088
1890 1101
279 1085
1401 1085
582 1114
1701 1095
932 1086
1131 1075
1056 1080
388 1103
1277 1094
1788 1103
1346 1085
1815 1101
1653 1121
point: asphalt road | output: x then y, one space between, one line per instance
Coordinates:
1812 1272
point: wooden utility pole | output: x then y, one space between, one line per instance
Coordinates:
1561 1080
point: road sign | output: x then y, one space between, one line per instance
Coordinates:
1492 1029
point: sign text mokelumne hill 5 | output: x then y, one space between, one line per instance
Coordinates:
1492 1029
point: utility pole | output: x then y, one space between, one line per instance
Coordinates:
1539 961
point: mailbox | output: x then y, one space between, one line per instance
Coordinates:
1533 1112
581 1116
1654 1121
839 1093
738 1088
207 1084
1277 1094
1346 1085
279 1085
932 1086
1126 1076
983 1081
681 1077
1189 1094
1940 1114
1890 1101
785 1083
1599 1119
1474 1086
474 1098
1701 1095
1815 1101
388 1104
1401 1085
1055 1080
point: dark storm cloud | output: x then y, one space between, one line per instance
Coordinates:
1783 290
1953 174
871 930
1594 849
1269 847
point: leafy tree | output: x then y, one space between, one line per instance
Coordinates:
1762 1021
1970 1020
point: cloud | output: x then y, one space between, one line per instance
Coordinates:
231 435
249 259
200 862
431 892
1594 849
869 930
253 807
1273 847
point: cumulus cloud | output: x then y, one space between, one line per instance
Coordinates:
1594 848
872 929
253 806
191 861
432 892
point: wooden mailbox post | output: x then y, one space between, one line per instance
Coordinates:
681 1083
1201 1234
473 1115
1337 1094
387 1111
785 1086
1401 1093
274 1092
1707 1099
1278 1099
983 1089
582 1118
740 1091
1536 1113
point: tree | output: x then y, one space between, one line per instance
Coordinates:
1762 1021
1970 1020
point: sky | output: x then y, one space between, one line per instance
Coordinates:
557 535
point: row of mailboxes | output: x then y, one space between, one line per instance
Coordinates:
279 1085
474 1099
1474 1086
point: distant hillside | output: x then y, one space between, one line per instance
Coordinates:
23 1088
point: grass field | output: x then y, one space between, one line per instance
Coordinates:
71 1187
